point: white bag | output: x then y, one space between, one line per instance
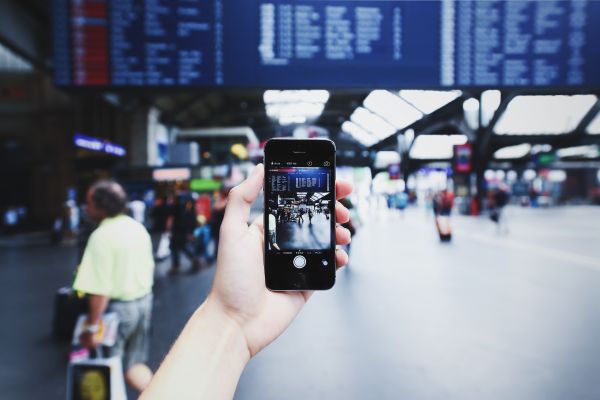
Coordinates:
98 378
164 247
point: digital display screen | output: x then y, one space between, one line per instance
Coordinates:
299 208
326 43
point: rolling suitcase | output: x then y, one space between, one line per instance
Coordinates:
68 306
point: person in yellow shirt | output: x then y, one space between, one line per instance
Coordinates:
117 272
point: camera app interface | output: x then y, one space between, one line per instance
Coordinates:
299 209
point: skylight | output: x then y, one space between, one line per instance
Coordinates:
436 147
594 126
358 133
295 106
392 108
372 122
429 101
539 115
512 152
10 62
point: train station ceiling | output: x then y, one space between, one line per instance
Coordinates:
421 123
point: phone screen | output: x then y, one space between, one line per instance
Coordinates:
300 214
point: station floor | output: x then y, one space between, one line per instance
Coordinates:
489 316
307 235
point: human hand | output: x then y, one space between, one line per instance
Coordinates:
88 340
239 287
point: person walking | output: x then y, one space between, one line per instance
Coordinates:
117 273
182 234
273 232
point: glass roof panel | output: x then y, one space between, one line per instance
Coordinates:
358 133
511 152
544 115
436 147
392 108
429 101
372 123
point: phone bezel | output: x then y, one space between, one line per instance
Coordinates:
306 278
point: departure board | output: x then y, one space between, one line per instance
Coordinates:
326 43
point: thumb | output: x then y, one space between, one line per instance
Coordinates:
240 200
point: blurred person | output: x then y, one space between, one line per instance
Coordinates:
310 216
11 219
160 237
183 224
401 201
138 210
117 272
499 198
240 316
272 230
202 238
351 224
442 204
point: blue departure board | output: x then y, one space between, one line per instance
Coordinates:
326 43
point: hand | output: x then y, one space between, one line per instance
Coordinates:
88 340
239 287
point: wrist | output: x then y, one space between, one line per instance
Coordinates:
211 315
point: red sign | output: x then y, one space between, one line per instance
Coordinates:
462 158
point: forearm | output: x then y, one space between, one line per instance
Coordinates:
205 362
97 306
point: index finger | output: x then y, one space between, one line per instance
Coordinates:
342 188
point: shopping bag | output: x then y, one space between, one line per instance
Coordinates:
107 334
163 251
98 378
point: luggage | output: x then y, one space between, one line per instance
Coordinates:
67 308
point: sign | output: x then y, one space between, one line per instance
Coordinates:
204 185
171 174
326 43
462 158
100 145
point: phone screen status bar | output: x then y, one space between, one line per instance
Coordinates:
299 164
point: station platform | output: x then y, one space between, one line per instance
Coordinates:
488 316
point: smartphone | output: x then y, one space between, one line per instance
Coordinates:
299 214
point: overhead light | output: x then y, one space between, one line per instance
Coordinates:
513 152
358 133
540 148
429 101
295 96
557 175
295 106
529 174
392 108
544 115
384 159
436 147
471 112
588 151
372 123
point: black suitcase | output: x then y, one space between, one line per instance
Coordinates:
67 308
